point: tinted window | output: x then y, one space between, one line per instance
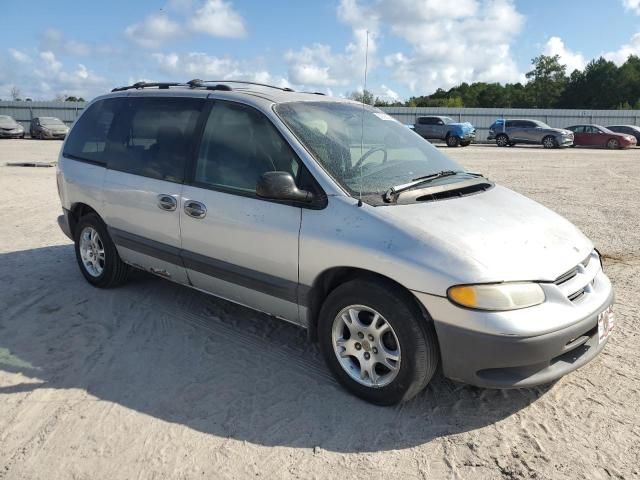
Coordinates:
427 121
509 124
154 137
88 138
239 144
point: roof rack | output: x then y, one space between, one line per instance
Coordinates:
284 89
139 85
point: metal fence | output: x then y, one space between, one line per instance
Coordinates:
482 118
23 112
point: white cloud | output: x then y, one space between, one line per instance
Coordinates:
633 5
573 60
208 67
154 30
387 94
318 65
469 43
218 19
44 76
19 56
55 41
447 46
631 48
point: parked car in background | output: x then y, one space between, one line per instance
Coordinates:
599 136
48 127
9 128
444 128
534 132
626 129
430 263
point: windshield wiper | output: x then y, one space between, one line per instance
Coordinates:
391 195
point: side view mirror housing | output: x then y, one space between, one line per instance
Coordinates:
281 186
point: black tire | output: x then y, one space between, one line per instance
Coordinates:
415 334
613 143
502 140
115 271
549 142
465 144
452 141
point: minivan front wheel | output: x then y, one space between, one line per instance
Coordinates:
96 254
377 342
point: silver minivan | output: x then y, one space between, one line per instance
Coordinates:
335 217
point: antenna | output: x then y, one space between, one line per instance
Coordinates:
364 90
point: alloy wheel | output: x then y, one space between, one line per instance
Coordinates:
366 346
92 252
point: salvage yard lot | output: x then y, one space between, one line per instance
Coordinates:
153 380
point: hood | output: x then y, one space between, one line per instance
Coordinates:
498 234
9 124
559 130
464 126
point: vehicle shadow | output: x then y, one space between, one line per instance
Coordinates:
185 357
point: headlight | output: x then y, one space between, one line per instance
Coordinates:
497 296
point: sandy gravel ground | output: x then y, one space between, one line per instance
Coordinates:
153 380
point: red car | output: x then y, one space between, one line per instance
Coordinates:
598 136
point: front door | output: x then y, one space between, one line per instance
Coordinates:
235 244
147 150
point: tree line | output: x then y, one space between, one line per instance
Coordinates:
601 85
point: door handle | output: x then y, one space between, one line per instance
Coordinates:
167 202
195 209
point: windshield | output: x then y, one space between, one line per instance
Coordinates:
7 121
391 154
447 120
50 121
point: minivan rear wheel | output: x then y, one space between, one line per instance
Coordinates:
376 341
502 140
96 254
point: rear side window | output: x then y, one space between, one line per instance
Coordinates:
88 138
154 137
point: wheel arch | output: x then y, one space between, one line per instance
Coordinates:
79 210
330 279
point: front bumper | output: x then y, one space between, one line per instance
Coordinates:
565 141
54 135
519 358
11 134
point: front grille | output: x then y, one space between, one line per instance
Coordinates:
577 282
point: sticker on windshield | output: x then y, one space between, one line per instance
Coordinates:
384 116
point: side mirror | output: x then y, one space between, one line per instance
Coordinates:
440 122
281 186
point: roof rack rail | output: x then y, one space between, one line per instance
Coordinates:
139 85
284 89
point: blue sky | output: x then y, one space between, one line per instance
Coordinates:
48 49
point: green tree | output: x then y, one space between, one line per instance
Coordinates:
364 96
547 80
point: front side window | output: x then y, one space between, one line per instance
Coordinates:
238 145
88 138
154 137
368 160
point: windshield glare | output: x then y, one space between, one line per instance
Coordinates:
391 154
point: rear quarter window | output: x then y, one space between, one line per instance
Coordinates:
88 138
